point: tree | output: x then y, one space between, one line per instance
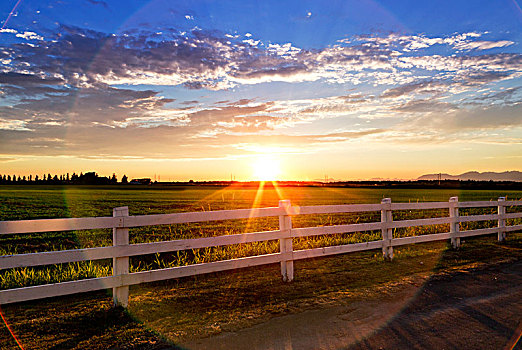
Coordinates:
124 179
114 179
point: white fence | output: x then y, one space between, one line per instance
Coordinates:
122 250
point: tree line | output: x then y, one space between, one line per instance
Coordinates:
89 178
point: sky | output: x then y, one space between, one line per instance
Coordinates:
206 90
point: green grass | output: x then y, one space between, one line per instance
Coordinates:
33 202
36 202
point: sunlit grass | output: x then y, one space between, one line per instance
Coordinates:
27 276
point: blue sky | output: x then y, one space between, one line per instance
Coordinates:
201 89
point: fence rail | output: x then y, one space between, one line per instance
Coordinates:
122 250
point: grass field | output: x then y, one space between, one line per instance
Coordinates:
206 305
34 202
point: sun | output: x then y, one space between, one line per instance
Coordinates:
266 168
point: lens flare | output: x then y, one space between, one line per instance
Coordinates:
11 14
10 331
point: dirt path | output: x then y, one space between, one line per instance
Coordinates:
474 309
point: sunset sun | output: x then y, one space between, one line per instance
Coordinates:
266 168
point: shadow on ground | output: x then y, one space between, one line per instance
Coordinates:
477 308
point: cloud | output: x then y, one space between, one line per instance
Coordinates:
509 96
423 87
483 45
82 108
64 94
462 120
99 2
29 36
430 106
88 124
241 102
187 103
283 143
212 116
20 79
503 62
209 60
246 124
407 43
15 125
8 30
14 84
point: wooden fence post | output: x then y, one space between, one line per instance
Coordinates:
501 220
387 233
120 266
285 243
454 225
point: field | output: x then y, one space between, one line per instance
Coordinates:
20 203
206 305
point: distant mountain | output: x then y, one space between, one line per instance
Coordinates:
476 176
326 179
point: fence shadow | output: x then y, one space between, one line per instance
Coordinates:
472 309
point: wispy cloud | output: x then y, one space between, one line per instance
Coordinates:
99 2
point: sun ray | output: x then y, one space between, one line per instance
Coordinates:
279 191
255 203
